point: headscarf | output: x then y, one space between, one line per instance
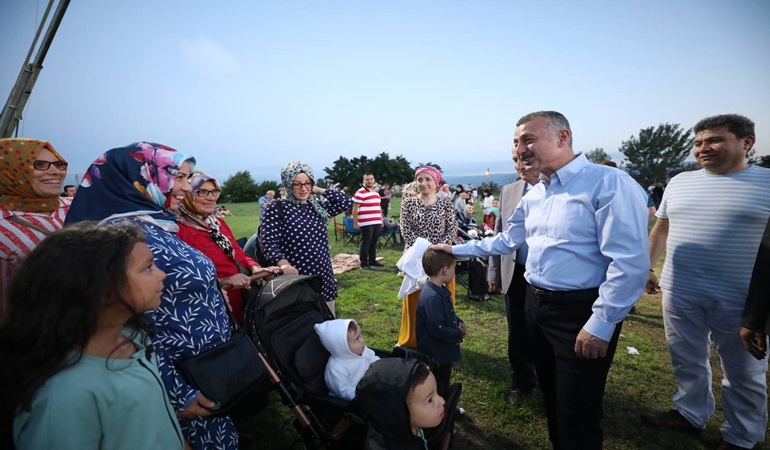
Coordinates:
129 181
190 214
288 173
433 172
17 157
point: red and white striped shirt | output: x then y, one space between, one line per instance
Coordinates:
18 240
369 213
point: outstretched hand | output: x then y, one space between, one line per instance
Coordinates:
442 248
237 281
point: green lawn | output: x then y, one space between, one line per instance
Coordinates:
637 383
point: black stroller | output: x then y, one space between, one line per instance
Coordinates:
280 321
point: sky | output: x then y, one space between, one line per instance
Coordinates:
252 85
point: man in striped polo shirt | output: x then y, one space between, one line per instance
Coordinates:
367 217
710 224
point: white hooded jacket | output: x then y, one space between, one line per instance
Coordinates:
344 369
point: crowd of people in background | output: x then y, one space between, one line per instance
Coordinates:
166 279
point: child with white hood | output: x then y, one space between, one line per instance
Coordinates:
350 357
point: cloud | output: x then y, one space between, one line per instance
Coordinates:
210 58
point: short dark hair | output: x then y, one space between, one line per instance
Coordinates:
556 121
736 124
419 375
608 162
64 191
433 261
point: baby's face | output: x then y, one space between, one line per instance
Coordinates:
356 340
426 407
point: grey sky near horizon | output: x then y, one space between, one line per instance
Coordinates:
253 84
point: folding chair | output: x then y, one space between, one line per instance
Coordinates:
339 229
351 235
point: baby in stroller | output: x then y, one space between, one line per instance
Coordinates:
350 357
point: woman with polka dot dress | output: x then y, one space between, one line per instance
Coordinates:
294 235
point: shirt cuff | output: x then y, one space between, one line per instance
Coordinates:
599 328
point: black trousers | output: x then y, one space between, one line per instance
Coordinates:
572 387
477 278
443 378
520 355
368 250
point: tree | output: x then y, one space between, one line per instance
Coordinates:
240 188
658 152
267 185
350 172
597 155
763 161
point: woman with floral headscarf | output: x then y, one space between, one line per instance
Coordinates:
294 235
427 216
145 184
200 228
31 177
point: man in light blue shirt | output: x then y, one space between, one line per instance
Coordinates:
263 201
585 226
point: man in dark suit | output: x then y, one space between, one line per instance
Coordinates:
755 324
507 272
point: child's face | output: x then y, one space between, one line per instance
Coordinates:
445 275
470 209
426 407
145 280
355 340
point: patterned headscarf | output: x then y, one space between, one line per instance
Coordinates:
189 213
17 157
129 181
288 173
433 172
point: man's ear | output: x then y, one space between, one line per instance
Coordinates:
748 143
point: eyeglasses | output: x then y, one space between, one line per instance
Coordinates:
205 193
45 165
307 185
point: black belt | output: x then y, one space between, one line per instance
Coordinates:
579 295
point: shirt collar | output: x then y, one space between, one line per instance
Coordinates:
570 170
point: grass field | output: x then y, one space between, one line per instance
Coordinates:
637 383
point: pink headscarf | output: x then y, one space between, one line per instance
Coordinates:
433 172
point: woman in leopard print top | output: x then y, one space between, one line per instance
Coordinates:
430 217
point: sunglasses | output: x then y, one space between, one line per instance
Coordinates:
45 165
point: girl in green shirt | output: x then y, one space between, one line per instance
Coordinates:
77 370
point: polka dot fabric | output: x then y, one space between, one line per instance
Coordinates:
302 238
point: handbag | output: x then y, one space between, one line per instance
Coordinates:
226 373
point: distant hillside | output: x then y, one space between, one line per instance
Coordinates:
477 180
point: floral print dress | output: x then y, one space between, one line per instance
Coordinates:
191 319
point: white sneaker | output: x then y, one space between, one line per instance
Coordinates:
460 411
